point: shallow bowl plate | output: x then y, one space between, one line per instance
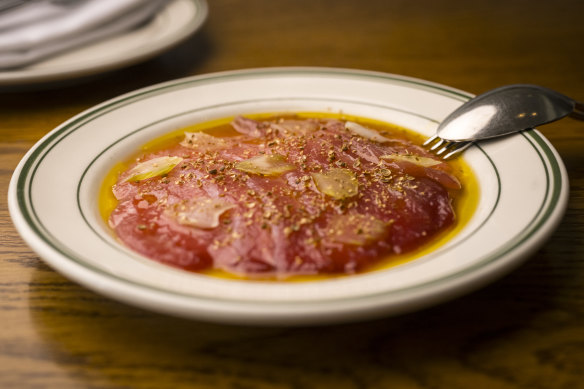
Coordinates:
53 198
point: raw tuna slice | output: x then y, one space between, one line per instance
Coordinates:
285 196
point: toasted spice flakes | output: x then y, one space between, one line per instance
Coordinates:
334 179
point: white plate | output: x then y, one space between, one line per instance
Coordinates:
176 22
53 198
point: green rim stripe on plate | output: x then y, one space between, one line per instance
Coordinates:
127 99
127 102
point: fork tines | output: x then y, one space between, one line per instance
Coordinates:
446 149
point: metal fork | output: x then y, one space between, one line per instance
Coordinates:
501 111
444 148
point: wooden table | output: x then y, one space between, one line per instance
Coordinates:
524 331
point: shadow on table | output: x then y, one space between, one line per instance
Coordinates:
513 333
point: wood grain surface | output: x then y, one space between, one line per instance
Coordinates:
524 331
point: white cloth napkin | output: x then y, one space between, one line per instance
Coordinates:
41 28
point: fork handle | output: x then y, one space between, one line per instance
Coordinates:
578 112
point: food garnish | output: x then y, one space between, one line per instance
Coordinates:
365 132
284 196
266 165
153 168
201 213
337 183
356 229
415 159
200 140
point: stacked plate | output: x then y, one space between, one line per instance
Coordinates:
168 24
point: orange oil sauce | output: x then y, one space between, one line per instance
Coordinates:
464 201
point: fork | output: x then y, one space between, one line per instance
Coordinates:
451 148
499 112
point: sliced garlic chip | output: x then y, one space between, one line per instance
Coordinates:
415 159
200 140
153 168
356 229
201 213
266 165
365 132
301 127
337 183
